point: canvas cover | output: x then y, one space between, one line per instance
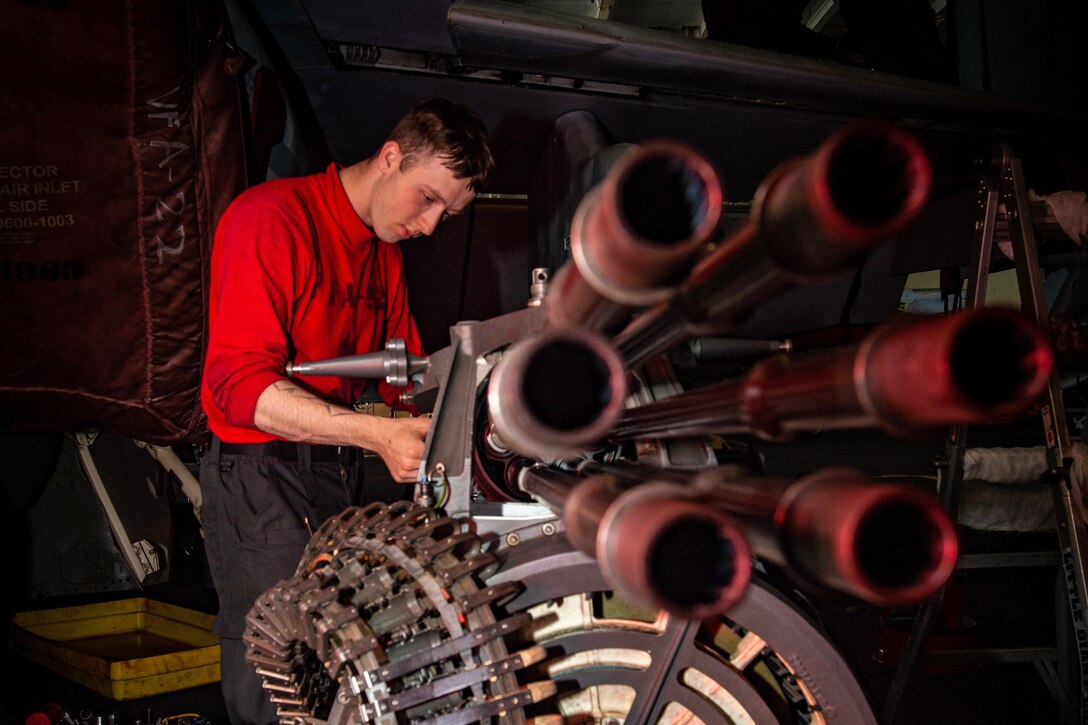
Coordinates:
121 143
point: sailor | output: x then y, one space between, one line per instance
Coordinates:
305 269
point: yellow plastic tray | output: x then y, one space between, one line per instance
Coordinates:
124 649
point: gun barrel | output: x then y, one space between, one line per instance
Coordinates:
633 237
972 367
552 487
557 394
811 218
653 541
890 545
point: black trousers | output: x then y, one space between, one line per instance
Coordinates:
258 513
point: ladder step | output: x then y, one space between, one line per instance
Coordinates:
1008 559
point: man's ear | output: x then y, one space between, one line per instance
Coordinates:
389 157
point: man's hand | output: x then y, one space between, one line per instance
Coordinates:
287 411
400 444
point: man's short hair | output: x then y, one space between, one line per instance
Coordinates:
451 131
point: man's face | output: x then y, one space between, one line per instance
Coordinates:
411 202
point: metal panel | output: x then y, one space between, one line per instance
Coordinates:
503 35
416 24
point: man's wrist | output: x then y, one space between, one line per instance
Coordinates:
382 410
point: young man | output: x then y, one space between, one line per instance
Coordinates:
305 269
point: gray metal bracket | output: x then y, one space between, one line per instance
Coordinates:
447 455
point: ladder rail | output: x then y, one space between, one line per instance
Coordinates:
1004 183
1068 503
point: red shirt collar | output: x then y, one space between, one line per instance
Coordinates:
344 212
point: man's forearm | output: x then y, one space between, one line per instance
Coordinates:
287 411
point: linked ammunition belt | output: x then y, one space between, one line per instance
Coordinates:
386 620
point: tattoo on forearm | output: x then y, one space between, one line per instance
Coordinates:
331 410
292 389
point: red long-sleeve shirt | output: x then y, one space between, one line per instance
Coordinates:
296 276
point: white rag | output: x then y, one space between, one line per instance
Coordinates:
1070 210
1001 489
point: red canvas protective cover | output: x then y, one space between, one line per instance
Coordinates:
120 145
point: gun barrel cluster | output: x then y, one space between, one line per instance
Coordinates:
648 239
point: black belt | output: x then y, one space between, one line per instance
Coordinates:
289 451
